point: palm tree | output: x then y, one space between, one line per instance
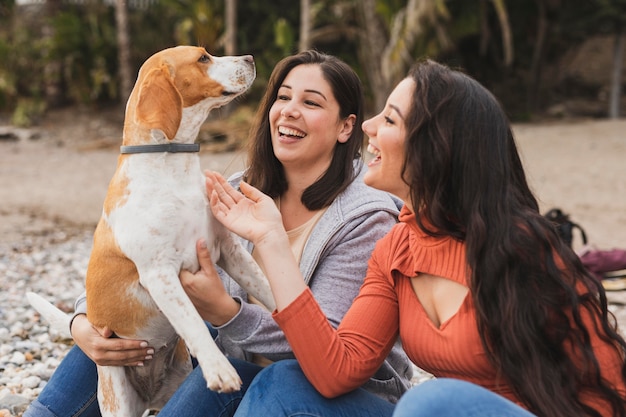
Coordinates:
230 43
305 25
616 75
123 50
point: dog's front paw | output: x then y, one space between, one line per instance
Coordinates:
221 376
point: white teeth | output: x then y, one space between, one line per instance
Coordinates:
290 132
373 150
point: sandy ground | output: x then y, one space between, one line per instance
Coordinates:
57 183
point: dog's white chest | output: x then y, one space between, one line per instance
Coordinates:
164 210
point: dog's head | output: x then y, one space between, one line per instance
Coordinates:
177 87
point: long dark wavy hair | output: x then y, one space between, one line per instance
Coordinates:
530 290
266 172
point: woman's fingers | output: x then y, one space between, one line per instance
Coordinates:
216 184
204 256
120 352
105 350
251 192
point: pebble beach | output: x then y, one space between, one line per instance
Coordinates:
53 267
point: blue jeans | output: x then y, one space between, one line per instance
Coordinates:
455 398
72 392
282 389
194 399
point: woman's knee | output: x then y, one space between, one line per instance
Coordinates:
37 409
284 373
265 396
427 398
445 397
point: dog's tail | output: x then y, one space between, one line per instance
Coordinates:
59 321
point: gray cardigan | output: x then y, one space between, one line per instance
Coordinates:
333 264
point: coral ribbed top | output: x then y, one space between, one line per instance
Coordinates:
337 362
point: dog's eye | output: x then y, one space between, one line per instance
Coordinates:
205 59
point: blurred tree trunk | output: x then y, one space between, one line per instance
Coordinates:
305 25
52 75
616 78
123 50
230 48
373 37
505 27
230 44
532 98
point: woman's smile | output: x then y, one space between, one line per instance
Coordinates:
289 133
375 152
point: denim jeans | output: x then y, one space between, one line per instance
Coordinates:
282 389
194 399
72 391
455 398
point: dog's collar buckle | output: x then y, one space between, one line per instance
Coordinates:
165 147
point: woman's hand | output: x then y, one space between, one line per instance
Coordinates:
104 350
254 216
206 290
249 213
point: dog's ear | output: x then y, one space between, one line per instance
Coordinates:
159 105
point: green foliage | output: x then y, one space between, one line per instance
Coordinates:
194 22
257 33
27 112
8 92
283 36
388 9
610 13
83 42
62 53
6 9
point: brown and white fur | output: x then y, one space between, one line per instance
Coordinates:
154 212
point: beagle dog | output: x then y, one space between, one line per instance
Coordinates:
155 210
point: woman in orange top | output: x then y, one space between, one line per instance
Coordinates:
474 281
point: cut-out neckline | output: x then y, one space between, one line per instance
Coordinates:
440 298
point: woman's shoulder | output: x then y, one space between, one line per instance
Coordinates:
359 196
397 238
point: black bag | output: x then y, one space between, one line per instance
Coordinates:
564 226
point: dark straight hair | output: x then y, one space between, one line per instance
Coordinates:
265 171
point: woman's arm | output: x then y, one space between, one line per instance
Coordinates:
335 361
338 275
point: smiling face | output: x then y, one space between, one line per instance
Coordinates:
305 123
387 134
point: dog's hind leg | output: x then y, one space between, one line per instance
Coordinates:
116 396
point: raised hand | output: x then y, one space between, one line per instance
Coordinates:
249 213
254 216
